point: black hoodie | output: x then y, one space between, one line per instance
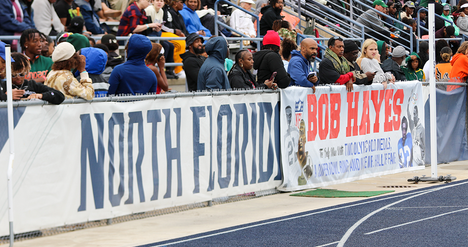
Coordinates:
267 62
269 15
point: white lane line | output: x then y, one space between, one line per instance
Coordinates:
398 208
290 218
416 221
328 244
356 225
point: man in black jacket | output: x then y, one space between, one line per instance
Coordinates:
351 51
27 89
193 60
270 13
392 64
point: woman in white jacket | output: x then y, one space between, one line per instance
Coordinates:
242 21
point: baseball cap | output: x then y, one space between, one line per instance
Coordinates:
108 39
464 6
447 7
271 38
2 52
76 24
247 1
410 4
191 38
380 2
399 51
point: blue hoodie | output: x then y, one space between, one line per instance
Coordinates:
192 21
96 60
133 77
299 68
212 74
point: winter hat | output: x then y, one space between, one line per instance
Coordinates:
2 52
78 41
350 46
191 38
63 52
271 38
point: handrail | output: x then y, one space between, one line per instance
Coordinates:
230 28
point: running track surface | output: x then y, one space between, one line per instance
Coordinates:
435 216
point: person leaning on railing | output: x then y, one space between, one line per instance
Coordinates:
23 89
61 78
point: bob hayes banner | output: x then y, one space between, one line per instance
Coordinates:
82 162
334 136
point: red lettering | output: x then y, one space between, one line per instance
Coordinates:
388 122
312 117
323 120
335 110
398 97
364 128
377 106
352 114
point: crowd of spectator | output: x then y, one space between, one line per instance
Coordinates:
76 65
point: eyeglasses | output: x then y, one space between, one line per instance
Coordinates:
18 75
336 38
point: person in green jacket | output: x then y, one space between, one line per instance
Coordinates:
411 70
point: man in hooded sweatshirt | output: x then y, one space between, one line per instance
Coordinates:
96 60
133 77
268 60
212 74
299 66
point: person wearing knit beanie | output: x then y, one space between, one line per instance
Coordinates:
78 41
61 78
268 61
351 51
272 38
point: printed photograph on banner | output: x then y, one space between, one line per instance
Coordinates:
341 136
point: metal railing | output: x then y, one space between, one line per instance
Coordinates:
243 36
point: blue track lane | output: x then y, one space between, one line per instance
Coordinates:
435 216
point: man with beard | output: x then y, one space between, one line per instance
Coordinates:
417 131
405 146
270 14
351 51
299 67
305 162
334 68
193 60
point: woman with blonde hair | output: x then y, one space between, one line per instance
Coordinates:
459 72
369 63
156 56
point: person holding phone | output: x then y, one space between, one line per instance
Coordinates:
240 76
300 68
24 89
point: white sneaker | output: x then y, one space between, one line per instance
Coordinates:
181 74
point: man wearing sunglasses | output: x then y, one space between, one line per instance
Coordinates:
23 89
334 67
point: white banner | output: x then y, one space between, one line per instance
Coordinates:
334 136
82 162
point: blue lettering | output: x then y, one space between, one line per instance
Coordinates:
224 110
173 153
241 109
198 148
116 119
154 117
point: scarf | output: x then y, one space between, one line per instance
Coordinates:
341 64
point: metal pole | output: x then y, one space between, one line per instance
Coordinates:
12 143
432 91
